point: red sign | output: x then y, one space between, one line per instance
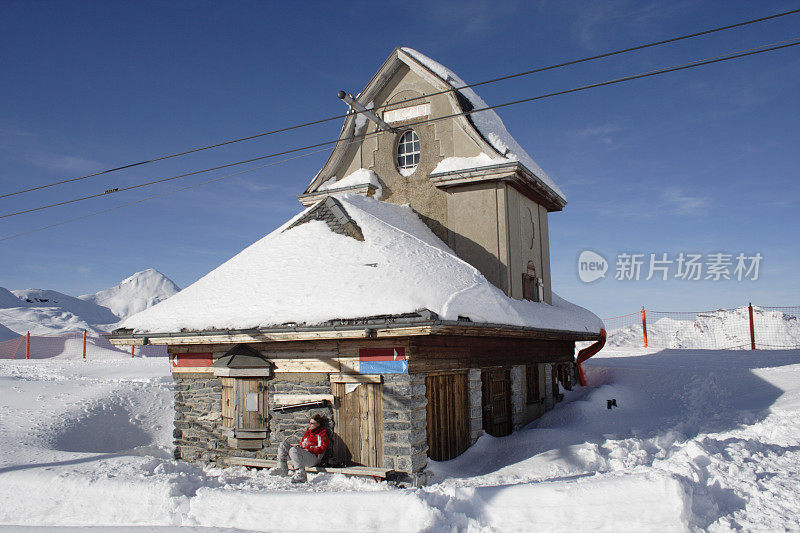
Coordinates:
382 354
192 359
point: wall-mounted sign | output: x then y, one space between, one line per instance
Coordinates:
382 361
192 359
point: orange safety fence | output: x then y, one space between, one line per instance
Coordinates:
78 345
748 327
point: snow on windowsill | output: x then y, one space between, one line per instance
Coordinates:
452 164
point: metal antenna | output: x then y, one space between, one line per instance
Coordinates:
355 105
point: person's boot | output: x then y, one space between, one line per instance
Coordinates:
282 469
299 476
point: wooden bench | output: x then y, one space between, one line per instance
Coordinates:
378 474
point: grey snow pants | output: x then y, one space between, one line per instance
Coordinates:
300 458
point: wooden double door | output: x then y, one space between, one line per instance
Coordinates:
496 384
358 418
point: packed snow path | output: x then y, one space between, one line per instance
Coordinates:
700 440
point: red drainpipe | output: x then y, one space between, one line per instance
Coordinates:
589 351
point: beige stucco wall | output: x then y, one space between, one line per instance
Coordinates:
478 229
490 225
527 241
438 140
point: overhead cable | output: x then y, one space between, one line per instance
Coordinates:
338 117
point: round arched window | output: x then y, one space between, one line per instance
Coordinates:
408 152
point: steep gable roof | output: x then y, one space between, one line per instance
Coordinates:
486 127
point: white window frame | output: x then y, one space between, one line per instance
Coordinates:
406 149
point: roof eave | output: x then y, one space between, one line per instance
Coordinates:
514 171
352 331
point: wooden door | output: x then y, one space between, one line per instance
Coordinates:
228 402
448 415
358 420
496 385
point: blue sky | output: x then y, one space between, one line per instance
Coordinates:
699 161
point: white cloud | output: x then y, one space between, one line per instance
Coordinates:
65 163
685 204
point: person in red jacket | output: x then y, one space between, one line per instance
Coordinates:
308 453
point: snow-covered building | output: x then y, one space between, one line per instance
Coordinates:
410 301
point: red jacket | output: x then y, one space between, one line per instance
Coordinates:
315 441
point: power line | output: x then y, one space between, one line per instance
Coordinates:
337 117
158 196
718 59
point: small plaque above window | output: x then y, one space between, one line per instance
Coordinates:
407 113
251 401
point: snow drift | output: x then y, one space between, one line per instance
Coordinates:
700 441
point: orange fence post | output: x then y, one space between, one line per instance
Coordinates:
752 328
132 347
28 346
84 344
644 327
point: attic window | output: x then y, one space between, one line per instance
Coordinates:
408 153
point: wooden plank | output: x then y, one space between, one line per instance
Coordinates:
228 400
358 333
356 378
245 433
339 449
429 418
348 365
378 421
349 470
362 393
179 371
306 365
248 338
288 399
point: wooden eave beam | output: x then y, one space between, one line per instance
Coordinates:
358 332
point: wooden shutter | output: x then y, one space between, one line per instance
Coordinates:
532 382
358 421
447 415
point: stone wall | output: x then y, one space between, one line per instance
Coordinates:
518 399
198 417
475 405
405 437
198 414
292 423
550 400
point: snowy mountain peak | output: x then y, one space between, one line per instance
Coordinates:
8 299
135 293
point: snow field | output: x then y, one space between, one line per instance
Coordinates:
701 440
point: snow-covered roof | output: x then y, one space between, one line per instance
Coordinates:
488 123
309 275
